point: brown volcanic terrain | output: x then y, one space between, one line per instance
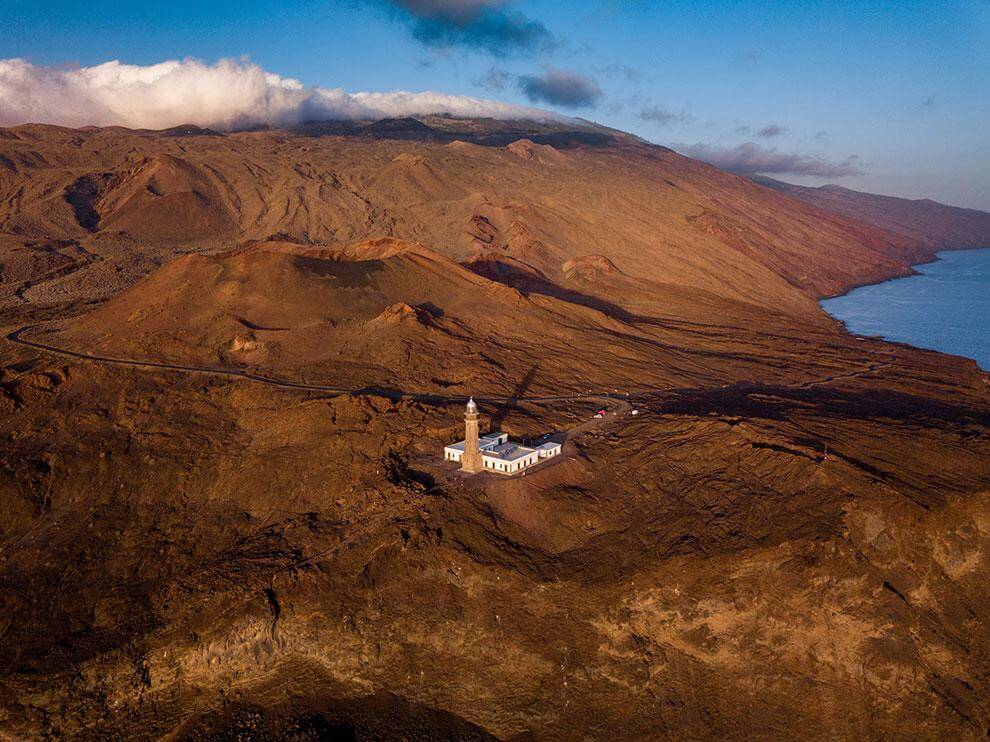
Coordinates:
790 540
928 222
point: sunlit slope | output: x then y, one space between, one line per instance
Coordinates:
657 216
927 221
392 313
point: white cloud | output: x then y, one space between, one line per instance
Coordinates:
227 95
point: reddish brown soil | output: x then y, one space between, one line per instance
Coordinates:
205 557
928 222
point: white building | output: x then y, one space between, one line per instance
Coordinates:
498 453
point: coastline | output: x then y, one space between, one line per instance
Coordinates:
982 363
911 270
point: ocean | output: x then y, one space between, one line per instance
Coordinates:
946 307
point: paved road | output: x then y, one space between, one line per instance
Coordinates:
17 336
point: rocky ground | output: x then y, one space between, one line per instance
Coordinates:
790 539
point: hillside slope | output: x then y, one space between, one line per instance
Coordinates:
929 222
790 539
399 315
654 214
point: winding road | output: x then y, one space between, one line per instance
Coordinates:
17 337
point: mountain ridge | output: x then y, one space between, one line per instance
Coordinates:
232 188
930 222
223 454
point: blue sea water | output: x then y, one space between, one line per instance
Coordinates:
945 308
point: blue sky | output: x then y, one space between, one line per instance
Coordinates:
809 92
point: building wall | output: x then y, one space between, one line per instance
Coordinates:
496 466
511 467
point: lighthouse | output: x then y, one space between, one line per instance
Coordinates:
471 460
494 452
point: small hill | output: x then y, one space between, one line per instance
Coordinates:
589 265
295 308
163 195
545 154
384 312
397 314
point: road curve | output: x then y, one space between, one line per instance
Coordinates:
17 337
641 395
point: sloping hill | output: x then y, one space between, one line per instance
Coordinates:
397 314
792 535
281 306
542 200
929 222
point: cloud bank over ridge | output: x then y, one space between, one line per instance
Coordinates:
230 94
